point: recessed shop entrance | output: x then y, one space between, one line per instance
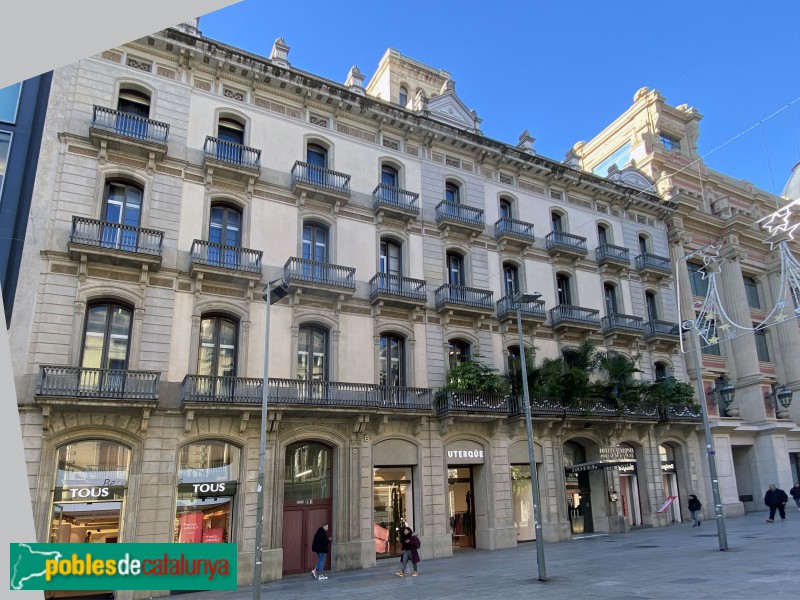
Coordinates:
464 458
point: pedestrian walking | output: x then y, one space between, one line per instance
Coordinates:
776 499
795 493
694 508
320 546
410 544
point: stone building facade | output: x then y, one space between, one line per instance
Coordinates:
179 175
756 437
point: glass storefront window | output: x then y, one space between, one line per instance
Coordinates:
462 506
207 481
393 506
9 101
308 472
5 149
522 499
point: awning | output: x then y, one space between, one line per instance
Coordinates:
598 464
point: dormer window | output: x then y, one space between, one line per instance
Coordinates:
402 98
670 142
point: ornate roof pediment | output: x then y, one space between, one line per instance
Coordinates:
632 177
449 108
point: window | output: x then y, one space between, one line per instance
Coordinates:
402 98
458 352
556 223
224 231
452 193
9 101
610 294
710 349
317 159
510 280
134 107
563 291
455 269
105 341
762 348
312 350
391 361
660 371
389 176
217 356
697 279
644 245
619 157
505 209
651 303
391 258
602 235
5 149
670 142
123 207
751 289
315 242
230 133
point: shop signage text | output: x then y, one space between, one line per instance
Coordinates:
208 489
465 454
616 453
93 492
668 466
628 468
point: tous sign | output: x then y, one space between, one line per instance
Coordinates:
94 492
201 488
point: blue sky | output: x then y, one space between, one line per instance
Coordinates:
565 70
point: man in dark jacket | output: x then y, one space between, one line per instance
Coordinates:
795 493
320 546
775 498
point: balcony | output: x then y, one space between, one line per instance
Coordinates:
66 386
566 245
583 408
468 402
115 244
612 258
397 291
319 278
320 184
623 327
511 233
230 264
663 335
464 301
459 218
578 319
120 131
653 267
394 202
234 160
531 312
682 413
231 393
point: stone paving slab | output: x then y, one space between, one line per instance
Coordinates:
679 561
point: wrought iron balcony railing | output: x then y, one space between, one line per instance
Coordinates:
548 407
320 177
129 125
506 307
452 211
662 329
651 261
226 257
619 321
565 313
395 285
106 384
512 227
232 153
103 234
688 412
609 252
566 241
464 296
242 390
467 401
301 269
394 197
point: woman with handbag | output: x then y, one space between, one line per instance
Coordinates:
410 544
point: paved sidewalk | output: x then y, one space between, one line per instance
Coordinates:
679 561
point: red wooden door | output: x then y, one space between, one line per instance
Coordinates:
300 523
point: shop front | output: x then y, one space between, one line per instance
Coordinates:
521 489
464 459
669 481
395 462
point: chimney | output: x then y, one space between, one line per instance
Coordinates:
575 155
280 53
355 80
526 142
190 26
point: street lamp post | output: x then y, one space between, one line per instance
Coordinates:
519 299
712 461
273 292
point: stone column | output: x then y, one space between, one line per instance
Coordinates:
785 338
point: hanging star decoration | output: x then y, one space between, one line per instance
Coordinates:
779 224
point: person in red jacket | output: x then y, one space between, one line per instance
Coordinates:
410 544
776 498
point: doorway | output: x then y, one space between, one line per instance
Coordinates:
461 500
307 503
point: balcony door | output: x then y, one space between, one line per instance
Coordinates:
610 293
122 214
224 235
105 348
230 132
510 280
216 363
391 265
134 110
455 276
315 249
317 158
563 289
391 361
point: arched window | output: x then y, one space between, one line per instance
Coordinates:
644 244
391 258
602 235
557 224
455 269
651 303
458 352
390 176
217 355
317 155
402 97
106 336
312 354
123 206
610 295
391 360
230 133
315 242
452 193
134 108
224 235
563 289
660 371
505 209
510 280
